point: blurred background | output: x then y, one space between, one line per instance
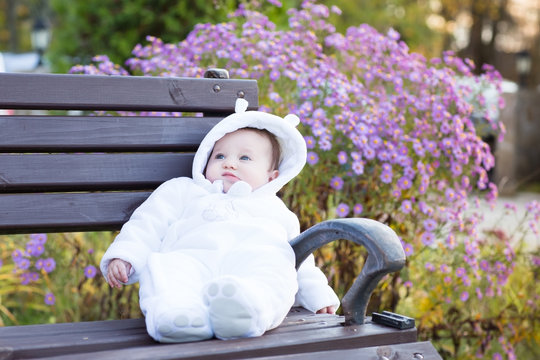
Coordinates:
54 35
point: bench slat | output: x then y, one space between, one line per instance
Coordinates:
31 213
414 350
98 92
95 133
301 331
77 172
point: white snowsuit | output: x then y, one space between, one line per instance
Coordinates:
219 264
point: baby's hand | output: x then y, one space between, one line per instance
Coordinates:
327 310
117 272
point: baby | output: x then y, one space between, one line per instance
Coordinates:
212 252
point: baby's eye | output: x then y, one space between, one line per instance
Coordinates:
219 157
245 157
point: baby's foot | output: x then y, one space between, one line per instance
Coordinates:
183 325
231 314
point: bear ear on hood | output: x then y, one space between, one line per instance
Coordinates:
241 105
292 119
292 143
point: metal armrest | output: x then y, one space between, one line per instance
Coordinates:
385 255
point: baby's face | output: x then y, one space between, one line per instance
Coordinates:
243 155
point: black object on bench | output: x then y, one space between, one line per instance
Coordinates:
89 172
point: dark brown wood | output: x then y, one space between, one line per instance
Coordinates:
301 332
130 93
107 133
65 212
410 351
85 172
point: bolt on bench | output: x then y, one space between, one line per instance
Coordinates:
89 172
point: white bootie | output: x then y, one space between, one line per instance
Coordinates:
182 324
232 311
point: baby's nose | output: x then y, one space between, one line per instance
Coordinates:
229 163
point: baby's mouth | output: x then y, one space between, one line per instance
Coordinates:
230 176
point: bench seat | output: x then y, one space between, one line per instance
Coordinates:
301 332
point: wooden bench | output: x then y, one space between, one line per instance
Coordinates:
87 172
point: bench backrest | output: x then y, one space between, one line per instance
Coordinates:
89 171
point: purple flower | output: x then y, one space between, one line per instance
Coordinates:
479 294
430 225
275 97
404 183
335 10
357 209
310 142
358 167
464 296
336 183
325 144
460 272
49 298
484 265
40 263
450 194
39 238
408 248
274 75
429 266
342 210
49 265
312 158
17 255
428 238
23 264
342 157
451 241
29 277
35 248
406 206
90 271
275 2
386 177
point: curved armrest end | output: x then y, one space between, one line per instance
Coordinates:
385 255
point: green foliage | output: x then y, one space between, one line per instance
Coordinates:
470 325
84 28
75 288
401 15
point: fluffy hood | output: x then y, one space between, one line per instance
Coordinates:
293 145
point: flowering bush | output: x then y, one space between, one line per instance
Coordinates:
54 279
390 137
